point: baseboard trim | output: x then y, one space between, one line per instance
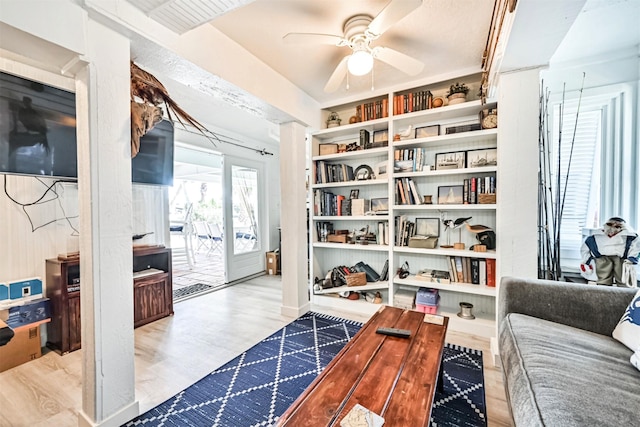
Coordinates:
116 420
295 312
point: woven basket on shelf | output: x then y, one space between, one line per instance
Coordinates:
487 198
357 279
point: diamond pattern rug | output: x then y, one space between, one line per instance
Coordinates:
255 388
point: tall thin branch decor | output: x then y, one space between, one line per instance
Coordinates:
551 198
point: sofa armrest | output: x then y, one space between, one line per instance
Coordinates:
590 307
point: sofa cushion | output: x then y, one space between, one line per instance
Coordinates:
628 329
557 375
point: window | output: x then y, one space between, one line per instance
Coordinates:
598 164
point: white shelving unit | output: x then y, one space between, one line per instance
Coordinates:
325 255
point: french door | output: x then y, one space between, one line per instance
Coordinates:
244 224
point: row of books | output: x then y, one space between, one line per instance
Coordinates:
472 187
325 203
477 271
327 172
408 160
407 192
413 101
405 229
373 110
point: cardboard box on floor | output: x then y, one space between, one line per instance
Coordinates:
273 263
23 347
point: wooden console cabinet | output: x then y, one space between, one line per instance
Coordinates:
152 294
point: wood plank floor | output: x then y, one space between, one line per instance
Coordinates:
175 352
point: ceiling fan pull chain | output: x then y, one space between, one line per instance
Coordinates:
347 81
372 79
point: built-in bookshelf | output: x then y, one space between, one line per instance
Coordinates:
440 167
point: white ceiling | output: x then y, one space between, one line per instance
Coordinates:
448 36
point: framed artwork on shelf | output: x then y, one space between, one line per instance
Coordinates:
380 139
380 205
380 170
428 227
482 157
450 195
427 131
354 193
453 160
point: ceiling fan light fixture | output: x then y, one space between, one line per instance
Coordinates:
360 63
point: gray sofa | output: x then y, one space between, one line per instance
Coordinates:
560 364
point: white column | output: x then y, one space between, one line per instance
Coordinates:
517 177
104 185
293 220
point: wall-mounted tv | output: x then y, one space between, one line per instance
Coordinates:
37 129
38 135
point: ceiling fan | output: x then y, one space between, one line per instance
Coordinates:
358 33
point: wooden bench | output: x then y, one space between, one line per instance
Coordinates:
393 377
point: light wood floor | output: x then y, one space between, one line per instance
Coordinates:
175 352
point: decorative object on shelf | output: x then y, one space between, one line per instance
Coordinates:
342 148
424 242
353 119
363 173
353 146
485 235
328 149
354 193
404 134
403 271
333 120
427 200
457 93
456 224
479 248
146 87
454 160
437 101
466 309
364 140
428 131
463 128
450 195
482 157
489 118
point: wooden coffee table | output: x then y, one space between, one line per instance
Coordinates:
393 377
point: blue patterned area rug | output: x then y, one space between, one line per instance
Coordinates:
255 388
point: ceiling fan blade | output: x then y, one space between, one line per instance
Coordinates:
338 75
394 11
312 38
399 60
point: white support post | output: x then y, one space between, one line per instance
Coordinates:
105 198
293 220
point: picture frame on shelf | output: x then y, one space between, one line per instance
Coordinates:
450 194
380 139
380 205
428 227
427 131
451 160
482 157
355 192
380 170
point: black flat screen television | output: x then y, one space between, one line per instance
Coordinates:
38 135
37 129
154 162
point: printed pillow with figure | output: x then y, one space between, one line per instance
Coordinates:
628 329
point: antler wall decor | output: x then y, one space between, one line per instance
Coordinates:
146 114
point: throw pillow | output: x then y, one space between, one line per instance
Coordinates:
628 329
635 359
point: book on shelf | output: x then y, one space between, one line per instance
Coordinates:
483 272
459 269
329 172
475 271
491 272
407 192
412 101
384 275
373 110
